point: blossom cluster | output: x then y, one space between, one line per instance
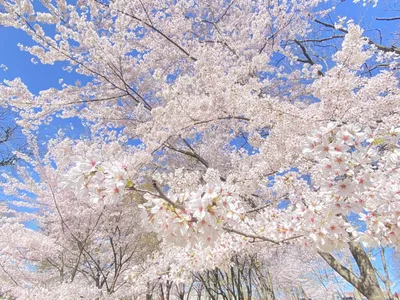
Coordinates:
98 181
186 218
103 175
192 218
356 171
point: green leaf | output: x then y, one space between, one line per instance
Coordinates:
378 141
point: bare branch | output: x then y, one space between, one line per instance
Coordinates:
388 19
259 237
164 197
342 270
191 154
370 42
152 27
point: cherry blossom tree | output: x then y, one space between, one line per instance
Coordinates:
79 249
246 132
10 139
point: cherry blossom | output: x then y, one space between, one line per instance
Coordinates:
246 134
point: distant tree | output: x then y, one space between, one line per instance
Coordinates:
10 139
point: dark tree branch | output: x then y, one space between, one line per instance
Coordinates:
370 42
225 12
388 19
153 28
191 154
308 57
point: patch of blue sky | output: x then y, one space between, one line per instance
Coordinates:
23 209
37 77
171 77
41 77
21 204
283 204
240 143
32 224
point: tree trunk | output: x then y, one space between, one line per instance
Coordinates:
270 288
367 284
357 294
387 281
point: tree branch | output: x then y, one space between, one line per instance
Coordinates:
259 237
343 271
370 42
152 27
388 19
